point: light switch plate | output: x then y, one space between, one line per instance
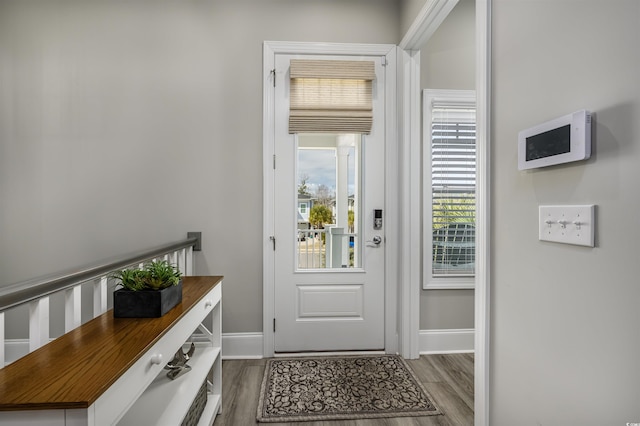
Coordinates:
567 224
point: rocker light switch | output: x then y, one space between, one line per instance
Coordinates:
567 224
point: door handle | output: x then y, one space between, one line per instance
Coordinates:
375 241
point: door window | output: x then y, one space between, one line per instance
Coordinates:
328 168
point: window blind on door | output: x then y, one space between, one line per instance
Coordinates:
331 96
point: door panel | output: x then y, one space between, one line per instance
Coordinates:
329 273
330 301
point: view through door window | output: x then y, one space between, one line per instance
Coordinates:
329 188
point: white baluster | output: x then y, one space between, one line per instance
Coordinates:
38 323
173 257
189 265
100 297
1 339
72 308
182 259
166 257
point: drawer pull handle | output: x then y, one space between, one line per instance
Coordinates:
156 359
208 304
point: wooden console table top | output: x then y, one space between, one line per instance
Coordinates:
73 370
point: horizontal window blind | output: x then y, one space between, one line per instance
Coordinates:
453 181
331 96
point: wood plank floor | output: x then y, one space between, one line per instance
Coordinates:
447 378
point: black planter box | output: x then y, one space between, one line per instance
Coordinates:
146 303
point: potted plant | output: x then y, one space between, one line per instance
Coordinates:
149 292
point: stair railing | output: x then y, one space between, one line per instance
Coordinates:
35 293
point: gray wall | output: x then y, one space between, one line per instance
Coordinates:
564 319
447 61
409 9
126 124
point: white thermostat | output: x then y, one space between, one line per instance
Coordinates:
563 140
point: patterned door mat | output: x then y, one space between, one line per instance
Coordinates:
340 388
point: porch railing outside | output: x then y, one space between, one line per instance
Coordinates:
311 249
315 244
35 294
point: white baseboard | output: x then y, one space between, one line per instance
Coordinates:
241 345
446 341
249 345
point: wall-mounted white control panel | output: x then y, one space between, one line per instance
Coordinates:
568 224
565 139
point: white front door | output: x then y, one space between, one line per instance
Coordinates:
329 287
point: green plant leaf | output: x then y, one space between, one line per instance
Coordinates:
155 275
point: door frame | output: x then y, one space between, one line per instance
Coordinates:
430 17
270 49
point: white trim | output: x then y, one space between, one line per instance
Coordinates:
409 274
426 23
392 214
432 14
38 323
268 226
483 213
270 49
347 49
242 346
453 98
447 341
413 40
424 26
453 283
